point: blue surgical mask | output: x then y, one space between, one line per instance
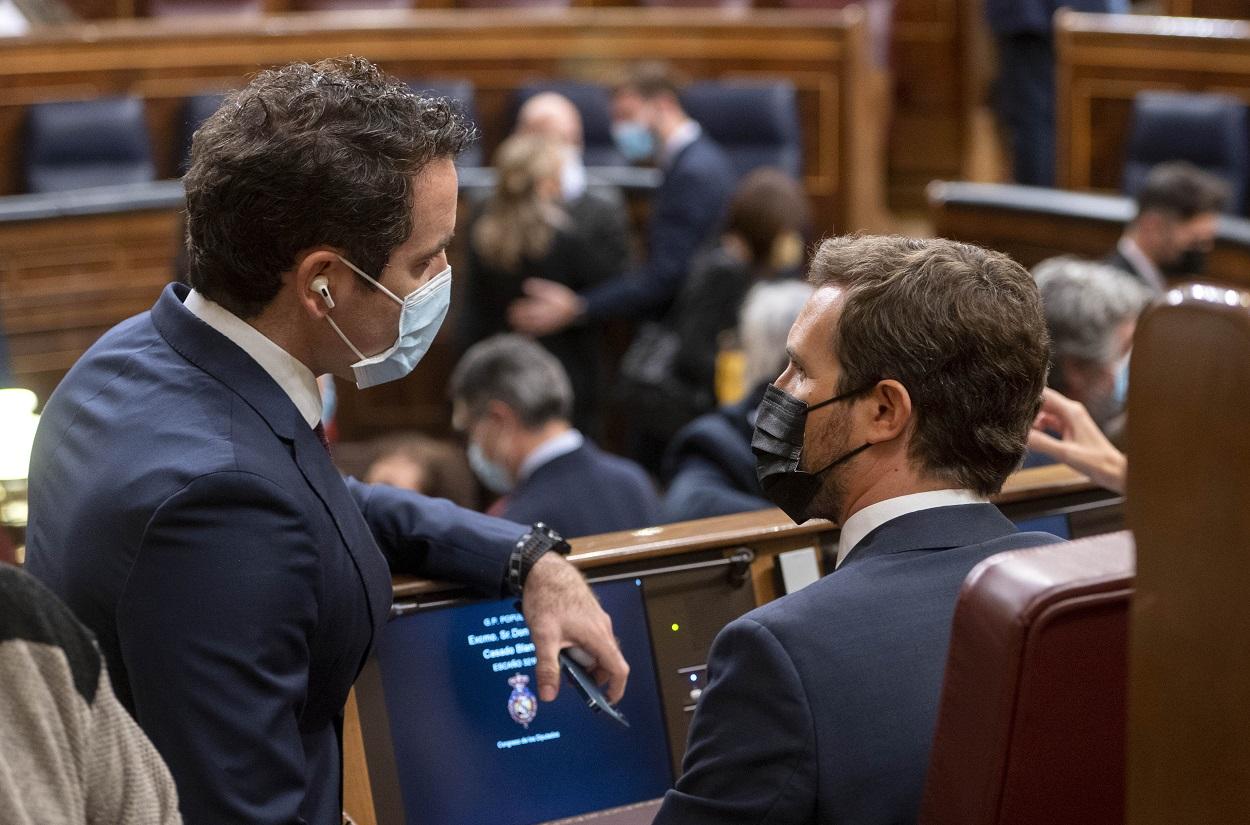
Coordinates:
493 476
1120 393
421 314
634 140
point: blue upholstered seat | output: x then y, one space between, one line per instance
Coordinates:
79 144
757 124
1211 131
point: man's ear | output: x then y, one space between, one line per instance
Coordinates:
500 413
319 282
889 411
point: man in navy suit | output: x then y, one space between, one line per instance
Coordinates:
513 400
915 371
648 124
182 499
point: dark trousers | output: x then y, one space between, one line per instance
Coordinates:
1026 104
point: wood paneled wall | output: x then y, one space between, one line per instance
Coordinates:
65 281
940 76
822 52
1105 60
938 70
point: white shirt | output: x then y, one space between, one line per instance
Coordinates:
873 516
551 449
686 134
1144 266
295 379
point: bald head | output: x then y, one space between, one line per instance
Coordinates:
552 116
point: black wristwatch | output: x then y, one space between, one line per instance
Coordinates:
529 548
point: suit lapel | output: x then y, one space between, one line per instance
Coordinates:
236 370
314 462
938 528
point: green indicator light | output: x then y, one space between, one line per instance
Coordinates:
676 627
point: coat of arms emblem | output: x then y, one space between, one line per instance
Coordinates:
522 704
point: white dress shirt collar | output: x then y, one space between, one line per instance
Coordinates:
873 516
551 449
1142 263
686 134
295 379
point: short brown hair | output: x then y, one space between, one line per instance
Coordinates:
961 328
306 155
1181 190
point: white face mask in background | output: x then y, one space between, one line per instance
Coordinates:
494 477
572 175
421 314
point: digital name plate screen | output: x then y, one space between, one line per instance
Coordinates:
472 742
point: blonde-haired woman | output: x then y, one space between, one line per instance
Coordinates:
523 231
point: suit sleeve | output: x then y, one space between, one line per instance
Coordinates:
751 753
699 489
436 539
215 625
680 224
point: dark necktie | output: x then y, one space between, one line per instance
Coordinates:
320 430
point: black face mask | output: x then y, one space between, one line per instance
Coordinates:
1191 261
778 447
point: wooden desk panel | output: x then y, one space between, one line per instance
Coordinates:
65 281
1226 9
822 52
1105 60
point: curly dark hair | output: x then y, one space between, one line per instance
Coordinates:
961 328
305 155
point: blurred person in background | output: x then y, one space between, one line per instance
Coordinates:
430 466
1025 95
1178 215
648 125
524 231
1091 313
512 399
598 209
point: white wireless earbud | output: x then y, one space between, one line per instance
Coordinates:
321 285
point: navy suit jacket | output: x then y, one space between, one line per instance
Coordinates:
710 466
1035 16
184 509
821 706
584 493
687 209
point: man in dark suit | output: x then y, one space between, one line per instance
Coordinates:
915 371
1178 216
182 499
513 400
648 124
1025 97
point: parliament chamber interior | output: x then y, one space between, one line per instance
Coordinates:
1100 674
